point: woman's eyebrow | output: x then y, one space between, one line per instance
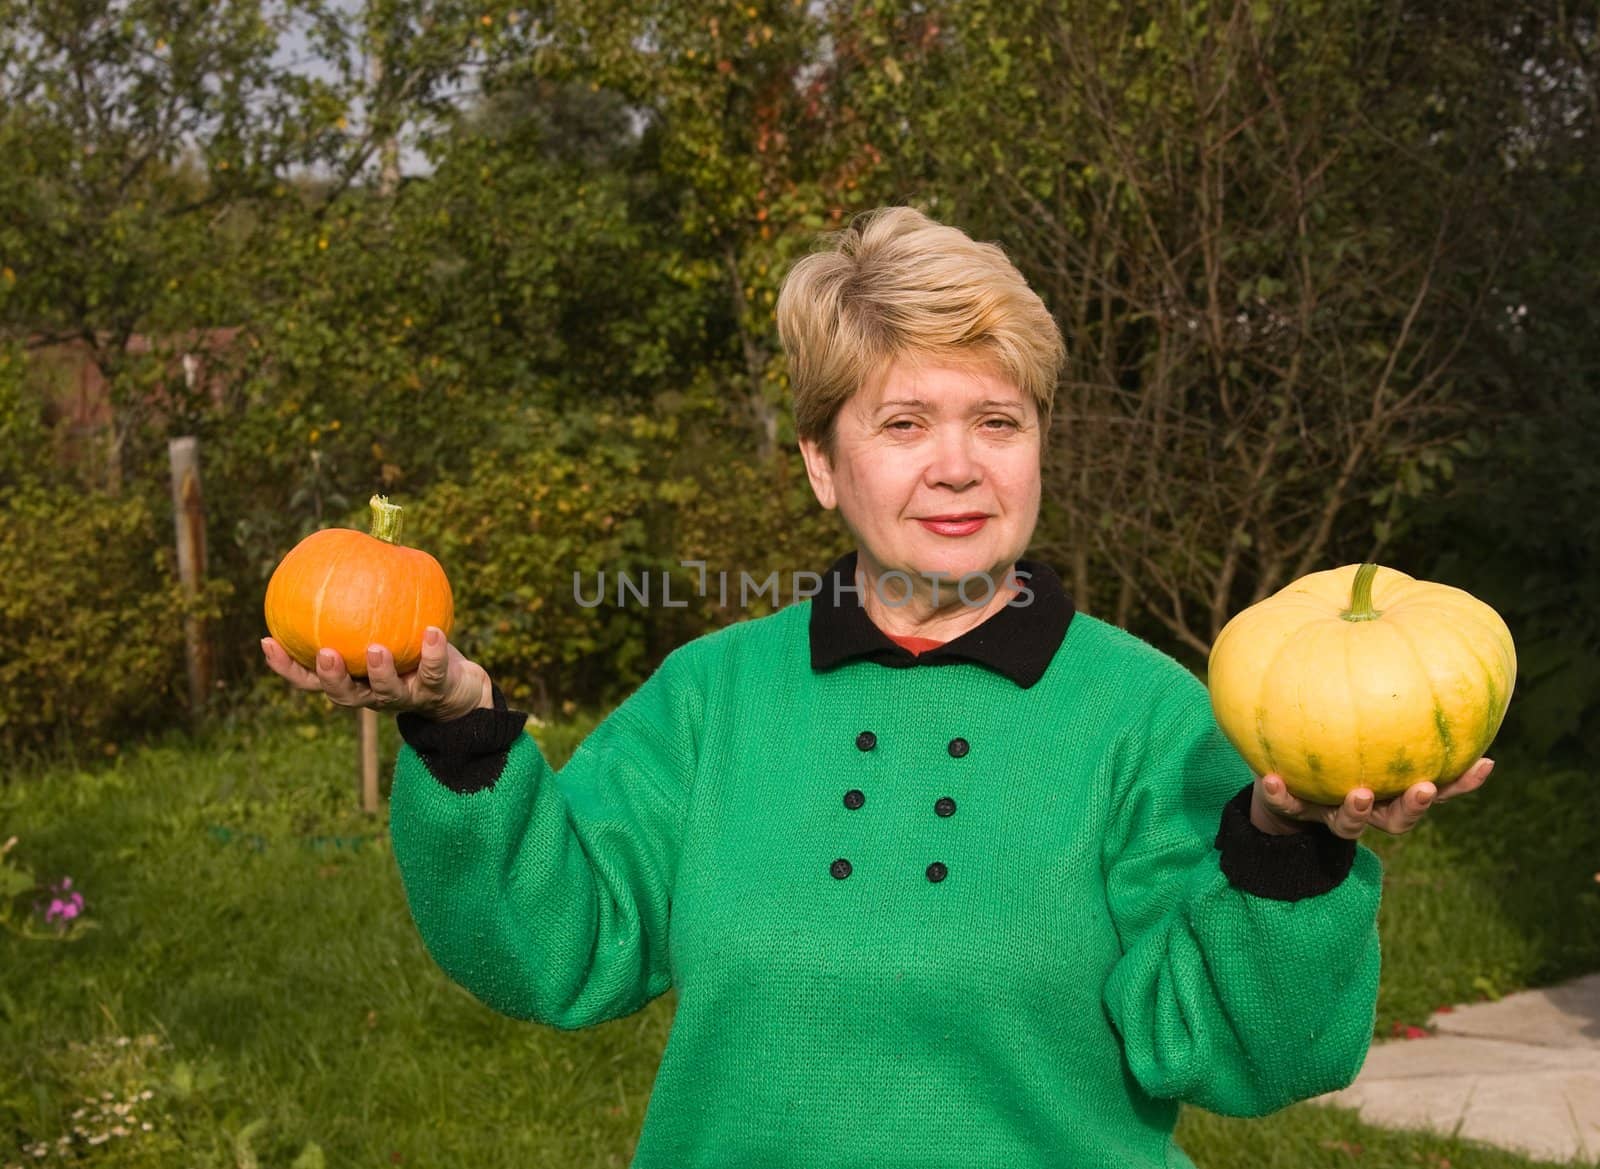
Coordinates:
919 404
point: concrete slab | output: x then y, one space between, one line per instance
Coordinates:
1522 1073
1559 1016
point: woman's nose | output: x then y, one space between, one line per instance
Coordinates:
953 462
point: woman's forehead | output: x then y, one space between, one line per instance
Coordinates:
931 382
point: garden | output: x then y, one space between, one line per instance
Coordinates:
1326 274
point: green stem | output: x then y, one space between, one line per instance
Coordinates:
385 520
1361 596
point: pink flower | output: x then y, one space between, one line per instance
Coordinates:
66 905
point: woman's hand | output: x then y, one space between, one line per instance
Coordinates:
444 685
1274 809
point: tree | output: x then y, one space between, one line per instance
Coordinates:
1264 248
157 149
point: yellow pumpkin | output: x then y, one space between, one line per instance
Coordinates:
347 590
1362 676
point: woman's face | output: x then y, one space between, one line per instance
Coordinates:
935 471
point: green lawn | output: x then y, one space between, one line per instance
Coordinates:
255 992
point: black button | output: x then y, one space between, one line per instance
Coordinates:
937 872
853 799
958 748
945 806
866 741
840 869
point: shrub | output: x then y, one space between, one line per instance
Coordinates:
610 494
91 618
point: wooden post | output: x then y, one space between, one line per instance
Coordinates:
367 751
189 517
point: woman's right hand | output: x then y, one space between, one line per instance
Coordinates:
444 685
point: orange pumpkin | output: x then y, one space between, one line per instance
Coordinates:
347 590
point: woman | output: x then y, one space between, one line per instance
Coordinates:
943 872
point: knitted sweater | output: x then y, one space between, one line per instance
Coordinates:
944 915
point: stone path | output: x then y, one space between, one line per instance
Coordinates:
1522 1073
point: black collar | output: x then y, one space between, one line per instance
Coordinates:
1018 641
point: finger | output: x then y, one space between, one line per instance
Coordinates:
382 677
1279 798
1403 813
282 664
336 681
1350 819
1469 781
434 668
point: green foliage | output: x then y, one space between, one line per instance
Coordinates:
1518 531
23 435
90 615
590 500
1516 524
1232 211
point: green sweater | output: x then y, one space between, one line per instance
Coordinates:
914 916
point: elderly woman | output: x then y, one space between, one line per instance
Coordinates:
944 873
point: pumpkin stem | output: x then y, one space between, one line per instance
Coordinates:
385 519
1361 596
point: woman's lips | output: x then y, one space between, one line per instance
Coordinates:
964 527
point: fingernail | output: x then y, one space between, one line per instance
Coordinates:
432 636
1363 803
374 655
325 658
264 647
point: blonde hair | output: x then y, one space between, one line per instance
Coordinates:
897 285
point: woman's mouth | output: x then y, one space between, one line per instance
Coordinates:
959 525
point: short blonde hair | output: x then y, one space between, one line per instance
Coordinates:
897 285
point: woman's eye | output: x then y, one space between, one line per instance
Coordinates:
899 422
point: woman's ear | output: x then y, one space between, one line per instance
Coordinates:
819 469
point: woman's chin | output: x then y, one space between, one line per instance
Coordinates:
954 564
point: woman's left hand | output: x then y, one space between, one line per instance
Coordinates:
1274 809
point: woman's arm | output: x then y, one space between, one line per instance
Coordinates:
1250 962
547 894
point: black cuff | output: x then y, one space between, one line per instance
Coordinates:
466 754
1283 868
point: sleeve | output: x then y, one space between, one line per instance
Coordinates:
1249 971
546 894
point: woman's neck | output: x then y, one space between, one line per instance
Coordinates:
934 609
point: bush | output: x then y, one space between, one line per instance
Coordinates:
611 494
91 618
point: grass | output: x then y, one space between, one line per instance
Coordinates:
255 991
